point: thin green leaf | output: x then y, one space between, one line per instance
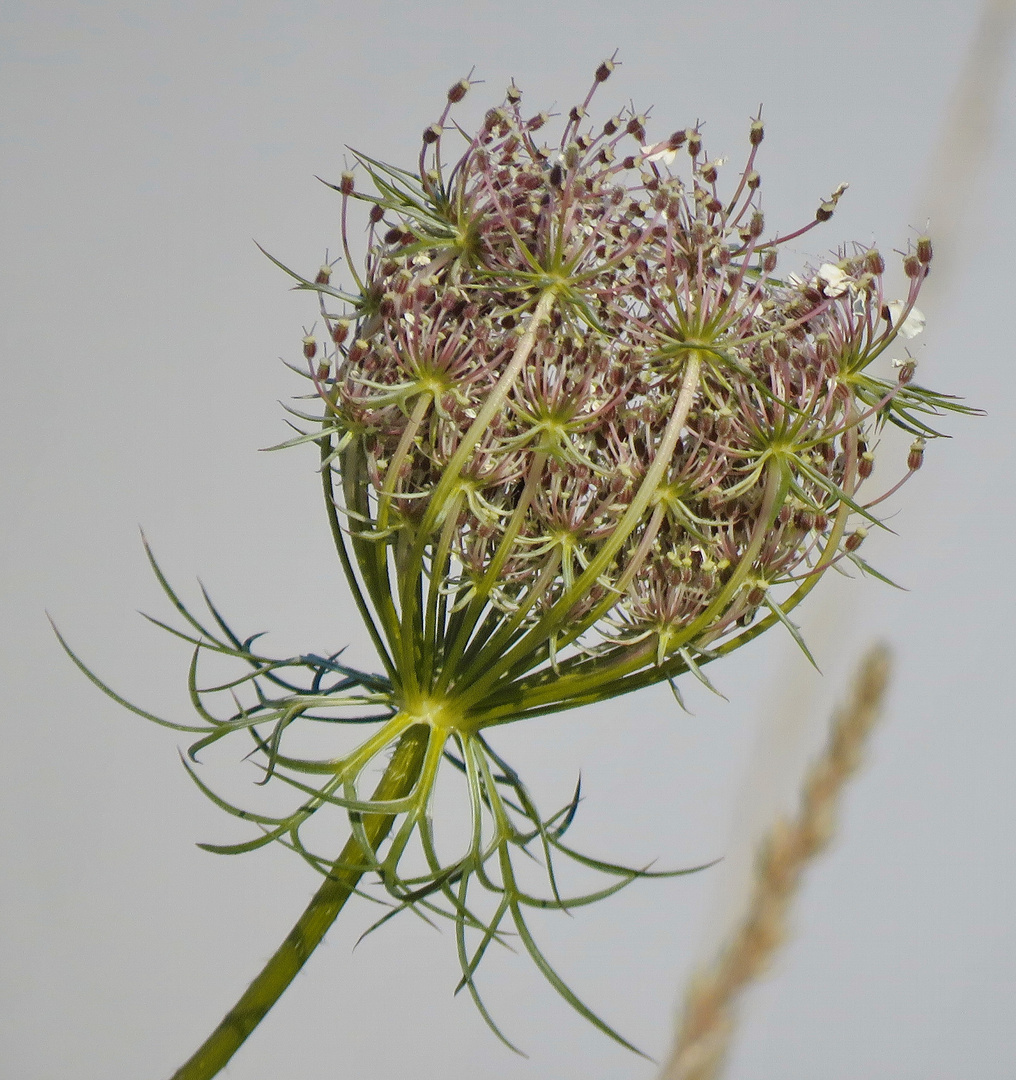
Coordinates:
795 631
867 568
563 989
112 694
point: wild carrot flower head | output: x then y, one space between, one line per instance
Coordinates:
586 431
580 432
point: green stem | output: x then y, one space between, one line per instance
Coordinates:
347 563
397 782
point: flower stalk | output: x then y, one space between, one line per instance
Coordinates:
399 778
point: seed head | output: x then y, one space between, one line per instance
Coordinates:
586 408
578 438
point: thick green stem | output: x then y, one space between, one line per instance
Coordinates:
397 782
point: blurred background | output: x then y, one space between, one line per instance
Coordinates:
145 147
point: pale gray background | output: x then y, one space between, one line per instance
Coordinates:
144 146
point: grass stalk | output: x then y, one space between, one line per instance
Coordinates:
708 1021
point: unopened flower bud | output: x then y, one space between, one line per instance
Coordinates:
907 369
635 127
495 118
873 262
825 210
915 459
458 91
856 538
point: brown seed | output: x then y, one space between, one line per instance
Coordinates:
459 91
856 538
915 459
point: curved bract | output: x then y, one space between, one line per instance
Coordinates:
578 434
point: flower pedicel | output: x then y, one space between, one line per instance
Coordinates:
578 435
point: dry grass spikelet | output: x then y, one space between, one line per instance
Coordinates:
709 1014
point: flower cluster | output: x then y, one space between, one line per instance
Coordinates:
579 434
581 426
